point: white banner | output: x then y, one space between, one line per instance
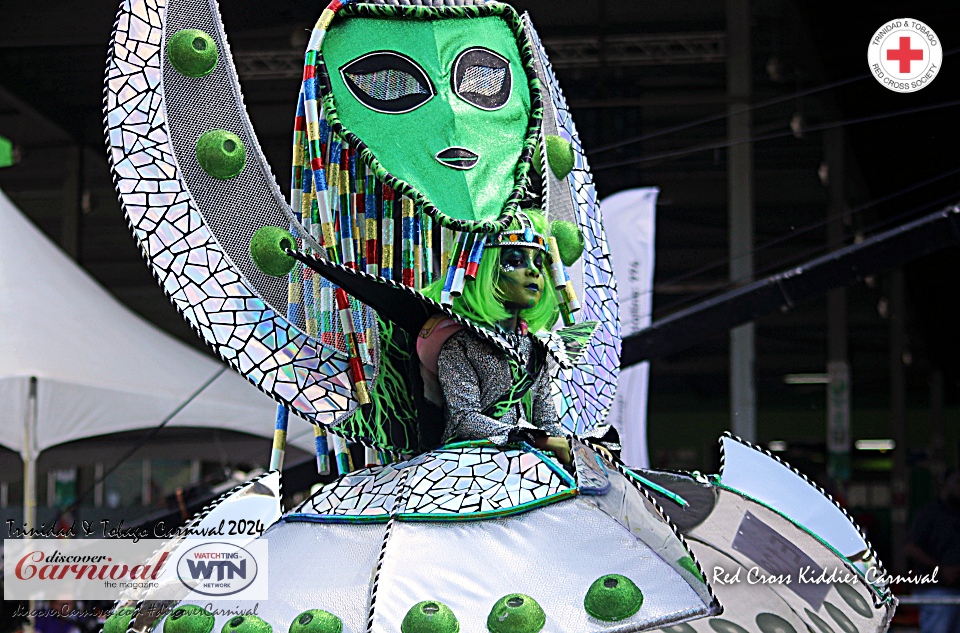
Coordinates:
630 219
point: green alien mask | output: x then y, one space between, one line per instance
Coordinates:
443 104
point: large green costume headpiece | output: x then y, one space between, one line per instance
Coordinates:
442 103
415 133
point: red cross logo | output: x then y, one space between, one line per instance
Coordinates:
905 54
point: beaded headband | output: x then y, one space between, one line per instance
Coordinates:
525 236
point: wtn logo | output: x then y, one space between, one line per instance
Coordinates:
219 569
203 569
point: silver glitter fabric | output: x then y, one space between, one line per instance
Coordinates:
474 375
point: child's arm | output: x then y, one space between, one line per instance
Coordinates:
545 417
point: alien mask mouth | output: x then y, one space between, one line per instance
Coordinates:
457 158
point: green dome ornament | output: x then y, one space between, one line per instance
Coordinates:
246 624
516 613
612 598
189 618
119 620
560 156
316 621
268 250
192 52
221 153
569 240
430 616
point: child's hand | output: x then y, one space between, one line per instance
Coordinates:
557 445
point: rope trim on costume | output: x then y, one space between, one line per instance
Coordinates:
522 177
621 468
401 501
194 521
880 597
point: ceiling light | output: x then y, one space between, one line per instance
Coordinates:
807 379
875 445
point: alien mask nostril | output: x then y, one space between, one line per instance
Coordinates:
458 158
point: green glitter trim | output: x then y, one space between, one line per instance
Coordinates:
672 496
552 465
467 444
526 448
357 519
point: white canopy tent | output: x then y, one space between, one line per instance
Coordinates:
76 363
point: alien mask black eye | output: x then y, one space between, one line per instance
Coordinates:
482 78
387 81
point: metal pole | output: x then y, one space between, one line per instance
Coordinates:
838 367
898 419
937 457
29 455
743 399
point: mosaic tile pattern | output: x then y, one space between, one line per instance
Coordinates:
444 483
480 480
568 345
205 285
587 389
370 492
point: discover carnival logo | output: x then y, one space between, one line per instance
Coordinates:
905 55
154 569
217 569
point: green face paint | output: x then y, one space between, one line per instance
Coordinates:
521 282
443 104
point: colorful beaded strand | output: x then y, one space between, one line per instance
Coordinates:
427 246
322 450
407 230
387 233
417 251
463 256
371 228
342 453
473 261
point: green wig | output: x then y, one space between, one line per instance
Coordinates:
481 301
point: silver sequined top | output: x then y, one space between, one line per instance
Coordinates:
474 374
